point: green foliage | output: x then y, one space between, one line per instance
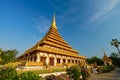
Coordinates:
95 59
112 67
74 72
8 56
115 59
11 74
29 76
105 69
115 43
8 74
113 54
85 73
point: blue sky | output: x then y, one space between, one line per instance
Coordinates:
87 25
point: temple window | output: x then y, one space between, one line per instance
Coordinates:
68 60
72 61
42 59
64 60
75 61
58 60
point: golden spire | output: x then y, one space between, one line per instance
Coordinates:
53 22
104 52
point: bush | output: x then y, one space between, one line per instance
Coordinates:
29 76
11 74
105 69
74 72
112 67
8 74
85 73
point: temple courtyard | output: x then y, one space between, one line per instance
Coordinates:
113 75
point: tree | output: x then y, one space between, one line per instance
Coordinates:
95 60
113 54
8 56
115 59
116 43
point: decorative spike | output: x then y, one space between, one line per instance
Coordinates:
53 22
104 52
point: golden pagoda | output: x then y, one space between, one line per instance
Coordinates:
106 60
52 50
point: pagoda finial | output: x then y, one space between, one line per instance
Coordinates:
53 21
104 52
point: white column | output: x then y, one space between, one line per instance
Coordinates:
27 59
61 61
32 58
47 60
38 58
105 63
55 61
66 60
74 61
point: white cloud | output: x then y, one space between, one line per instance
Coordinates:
42 24
103 8
85 12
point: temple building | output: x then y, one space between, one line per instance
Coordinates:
52 50
107 61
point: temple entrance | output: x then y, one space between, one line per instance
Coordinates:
51 61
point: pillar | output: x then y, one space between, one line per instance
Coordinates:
55 61
66 60
38 58
32 58
27 59
47 60
61 61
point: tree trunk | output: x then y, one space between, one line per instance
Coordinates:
118 50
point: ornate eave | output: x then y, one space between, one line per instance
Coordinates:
53 51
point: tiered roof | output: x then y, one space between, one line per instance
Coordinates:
53 42
105 58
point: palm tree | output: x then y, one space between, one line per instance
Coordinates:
116 43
